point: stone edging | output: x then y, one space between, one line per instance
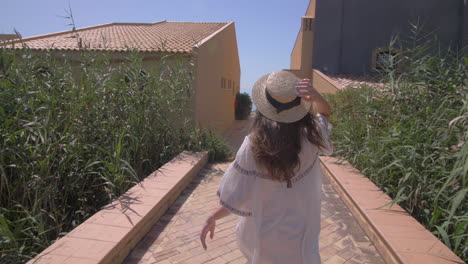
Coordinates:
398 237
110 234
323 83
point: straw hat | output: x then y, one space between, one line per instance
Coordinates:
274 96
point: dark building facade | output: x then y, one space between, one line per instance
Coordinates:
347 33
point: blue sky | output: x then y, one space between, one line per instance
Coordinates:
266 30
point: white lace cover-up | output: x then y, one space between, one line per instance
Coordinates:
278 225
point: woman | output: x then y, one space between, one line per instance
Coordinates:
275 182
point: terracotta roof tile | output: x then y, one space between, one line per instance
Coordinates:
170 36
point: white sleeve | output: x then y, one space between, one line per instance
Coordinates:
236 191
324 128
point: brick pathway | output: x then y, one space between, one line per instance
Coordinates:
175 237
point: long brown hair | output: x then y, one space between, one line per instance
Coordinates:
276 145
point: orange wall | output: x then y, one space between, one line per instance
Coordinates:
311 9
296 53
217 58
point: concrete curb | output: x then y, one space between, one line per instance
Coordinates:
323 83
397 236
110 234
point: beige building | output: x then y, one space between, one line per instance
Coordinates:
302 53
212 47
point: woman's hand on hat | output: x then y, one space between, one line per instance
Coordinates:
305 90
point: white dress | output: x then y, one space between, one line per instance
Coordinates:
278 224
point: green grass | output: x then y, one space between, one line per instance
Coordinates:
410 138
72 139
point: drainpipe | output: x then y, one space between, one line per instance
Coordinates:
463 42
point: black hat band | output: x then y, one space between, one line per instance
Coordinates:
280 107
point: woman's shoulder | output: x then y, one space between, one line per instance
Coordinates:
246 144
245 157
244 153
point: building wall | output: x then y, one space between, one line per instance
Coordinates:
217 59
328 21
347 31
296 54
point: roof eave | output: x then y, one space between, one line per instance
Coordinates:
79 30
108 50
201 42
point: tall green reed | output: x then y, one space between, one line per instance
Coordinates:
410 137
76 135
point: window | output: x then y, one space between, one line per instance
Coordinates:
223 83
308 24
384 59
227 84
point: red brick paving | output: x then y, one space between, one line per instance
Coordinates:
175 237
